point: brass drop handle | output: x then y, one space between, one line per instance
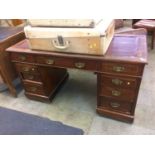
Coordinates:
117 82
22 57
33 89
116 93
26 69
114 105
118 68
30 77
50 61
79 65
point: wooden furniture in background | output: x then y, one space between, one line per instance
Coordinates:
8 36
149 25
16 22
119 72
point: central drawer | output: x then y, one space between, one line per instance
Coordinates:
68 62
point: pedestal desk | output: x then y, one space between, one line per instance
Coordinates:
119 73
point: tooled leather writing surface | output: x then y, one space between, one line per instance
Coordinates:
123 48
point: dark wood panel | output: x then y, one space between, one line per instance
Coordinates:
34 88
120 81
31 77
115 105
26 68
118 93
20 57
122 68
67 62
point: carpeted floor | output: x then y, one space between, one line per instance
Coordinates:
13 122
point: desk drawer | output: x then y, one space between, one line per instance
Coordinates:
25 68
34 88
31 77
114 105
19 57
68 62
122 68
119 82
118 93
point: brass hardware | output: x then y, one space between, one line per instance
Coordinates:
26 69
128 83
33 69
33 89
79 65
114 104
50 61
22 57
118 68
30 77
116 93
117 81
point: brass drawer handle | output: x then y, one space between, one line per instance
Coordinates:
79 65
50 61
118 68
22 57
33 89
116 93
26 69
30 77
117 82
115 105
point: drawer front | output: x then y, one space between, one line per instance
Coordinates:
122 68
24 68
34 88
114 105
31 77
119 82
68 62
118 93
22 57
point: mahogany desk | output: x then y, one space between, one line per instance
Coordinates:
119 73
